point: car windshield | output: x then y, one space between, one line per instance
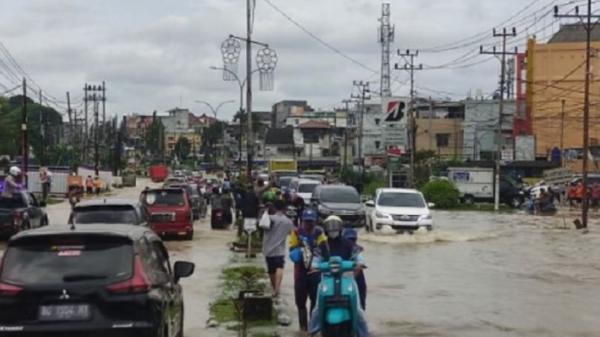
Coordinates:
307 188
285 181
164 198
400 199
44 260
15 202
340 195
116 214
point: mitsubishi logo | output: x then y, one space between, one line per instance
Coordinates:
65 295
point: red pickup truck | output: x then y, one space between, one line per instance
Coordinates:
169 212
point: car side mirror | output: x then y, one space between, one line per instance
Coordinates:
430 205
370 203
183 269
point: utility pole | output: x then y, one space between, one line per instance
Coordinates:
409 56
586 99
42 131
503 35
562 127
69 113
96 145
85 122
24 140
347 102
103 137
430 122
364 94
250 140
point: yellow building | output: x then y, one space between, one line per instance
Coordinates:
556 74
443 136
172 138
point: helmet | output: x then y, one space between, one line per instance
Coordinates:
309 215
333 226
15 171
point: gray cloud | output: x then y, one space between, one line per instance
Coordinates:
155 54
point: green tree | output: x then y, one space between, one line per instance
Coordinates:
183 148
210 138
154 138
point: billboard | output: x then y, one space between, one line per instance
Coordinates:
395 110
524 148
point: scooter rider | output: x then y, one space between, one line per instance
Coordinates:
10 182
351 235
303 240
347 250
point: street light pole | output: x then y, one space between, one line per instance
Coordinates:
215 112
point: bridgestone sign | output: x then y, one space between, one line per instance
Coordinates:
395 111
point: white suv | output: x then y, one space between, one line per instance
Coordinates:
403 210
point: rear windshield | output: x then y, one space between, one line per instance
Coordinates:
340 195
307 188
164 198
105 214
15 202
45 261
400 199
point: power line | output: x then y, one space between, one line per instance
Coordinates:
319 40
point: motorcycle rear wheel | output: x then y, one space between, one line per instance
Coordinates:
338 330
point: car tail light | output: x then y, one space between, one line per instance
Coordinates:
138 283
17 219
9 290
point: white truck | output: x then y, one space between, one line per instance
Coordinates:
477 184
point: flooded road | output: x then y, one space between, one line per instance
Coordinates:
477 274
485 274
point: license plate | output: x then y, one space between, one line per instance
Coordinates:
68 312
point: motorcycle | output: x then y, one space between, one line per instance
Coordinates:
337 313
217 219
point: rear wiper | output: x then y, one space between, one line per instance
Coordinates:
82 277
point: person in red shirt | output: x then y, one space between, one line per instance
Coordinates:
571 195
579 193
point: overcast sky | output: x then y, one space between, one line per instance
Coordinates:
156 54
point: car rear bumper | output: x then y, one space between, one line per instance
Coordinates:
169 229
84 328
8 229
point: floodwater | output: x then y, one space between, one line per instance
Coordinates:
477 274
485 274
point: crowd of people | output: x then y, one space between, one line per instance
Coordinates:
308 243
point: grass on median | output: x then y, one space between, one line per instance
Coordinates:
234 280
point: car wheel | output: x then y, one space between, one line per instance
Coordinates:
189 236
468 199
44 222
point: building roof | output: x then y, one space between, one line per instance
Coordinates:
314 124
280 136
574 33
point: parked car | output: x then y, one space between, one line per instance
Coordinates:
304 188
194 198
172 180
108 211
91 281
169 212
341 200
404 210
21 212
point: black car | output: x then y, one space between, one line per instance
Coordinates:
109 211
21 212
195 199
90 280
341 200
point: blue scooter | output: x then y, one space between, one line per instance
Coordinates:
337 299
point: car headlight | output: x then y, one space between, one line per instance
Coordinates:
380 215
425 217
